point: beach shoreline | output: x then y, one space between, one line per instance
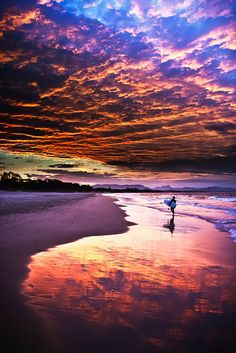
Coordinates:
41 228
148 244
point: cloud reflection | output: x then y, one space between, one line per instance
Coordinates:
144 286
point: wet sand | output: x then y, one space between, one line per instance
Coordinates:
153 289
157 286
44 223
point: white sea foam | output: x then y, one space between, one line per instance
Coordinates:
233 235
224 199
218 209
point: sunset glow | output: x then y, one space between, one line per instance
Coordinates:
121 90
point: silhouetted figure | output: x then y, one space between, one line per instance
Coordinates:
173 205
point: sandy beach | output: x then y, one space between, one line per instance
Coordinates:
31 223
150 283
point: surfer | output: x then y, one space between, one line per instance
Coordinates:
173 205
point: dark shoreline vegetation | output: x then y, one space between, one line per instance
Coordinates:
10 181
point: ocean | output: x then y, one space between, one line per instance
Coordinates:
217 208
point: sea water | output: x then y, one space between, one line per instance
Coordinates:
217 208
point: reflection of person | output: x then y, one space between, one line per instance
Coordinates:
170 225
173 205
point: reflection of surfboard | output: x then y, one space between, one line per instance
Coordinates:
169 203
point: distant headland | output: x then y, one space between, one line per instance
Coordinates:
14 182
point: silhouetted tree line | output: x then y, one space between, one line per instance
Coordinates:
109 189
13 181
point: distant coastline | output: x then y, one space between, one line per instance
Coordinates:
10 181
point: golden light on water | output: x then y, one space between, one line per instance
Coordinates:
145 274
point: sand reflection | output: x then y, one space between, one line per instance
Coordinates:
156 286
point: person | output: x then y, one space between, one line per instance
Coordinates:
173 205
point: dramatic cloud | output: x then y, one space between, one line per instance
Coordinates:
70 175
208 165
137 85
80 174
62 165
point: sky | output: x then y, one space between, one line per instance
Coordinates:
119 91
